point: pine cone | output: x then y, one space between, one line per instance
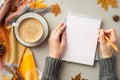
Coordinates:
116 18
2 49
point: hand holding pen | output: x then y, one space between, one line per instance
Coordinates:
108 39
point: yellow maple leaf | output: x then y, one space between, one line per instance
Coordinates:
99 1
113 3
38 4
106 3
41 1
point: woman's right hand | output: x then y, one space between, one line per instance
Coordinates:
106 48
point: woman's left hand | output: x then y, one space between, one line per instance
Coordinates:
57 41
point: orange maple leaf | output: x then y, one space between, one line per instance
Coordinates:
78 77
106 3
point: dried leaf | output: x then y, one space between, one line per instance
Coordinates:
56 9
38 4
106 3
41 1
114 3
77 77
99 1
84 79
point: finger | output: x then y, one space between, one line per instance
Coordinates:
60 25
55 30
109 30
98 38
101 36
61 30
63 41
112 34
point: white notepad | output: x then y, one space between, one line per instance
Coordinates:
82 35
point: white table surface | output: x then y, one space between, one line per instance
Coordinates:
84 7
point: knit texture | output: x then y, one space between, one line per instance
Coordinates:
51 70
108 69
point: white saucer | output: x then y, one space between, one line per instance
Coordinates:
31 15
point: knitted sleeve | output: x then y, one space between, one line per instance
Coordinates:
108 69
51 70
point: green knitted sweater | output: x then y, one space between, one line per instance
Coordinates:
107 69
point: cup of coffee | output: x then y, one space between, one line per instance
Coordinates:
30 30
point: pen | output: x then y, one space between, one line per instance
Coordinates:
115 47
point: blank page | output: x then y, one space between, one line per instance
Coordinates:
82 35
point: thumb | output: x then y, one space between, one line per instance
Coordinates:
63 40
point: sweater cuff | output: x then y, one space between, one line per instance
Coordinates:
52 68
108 66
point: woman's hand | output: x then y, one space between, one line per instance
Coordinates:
57 41
106 48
